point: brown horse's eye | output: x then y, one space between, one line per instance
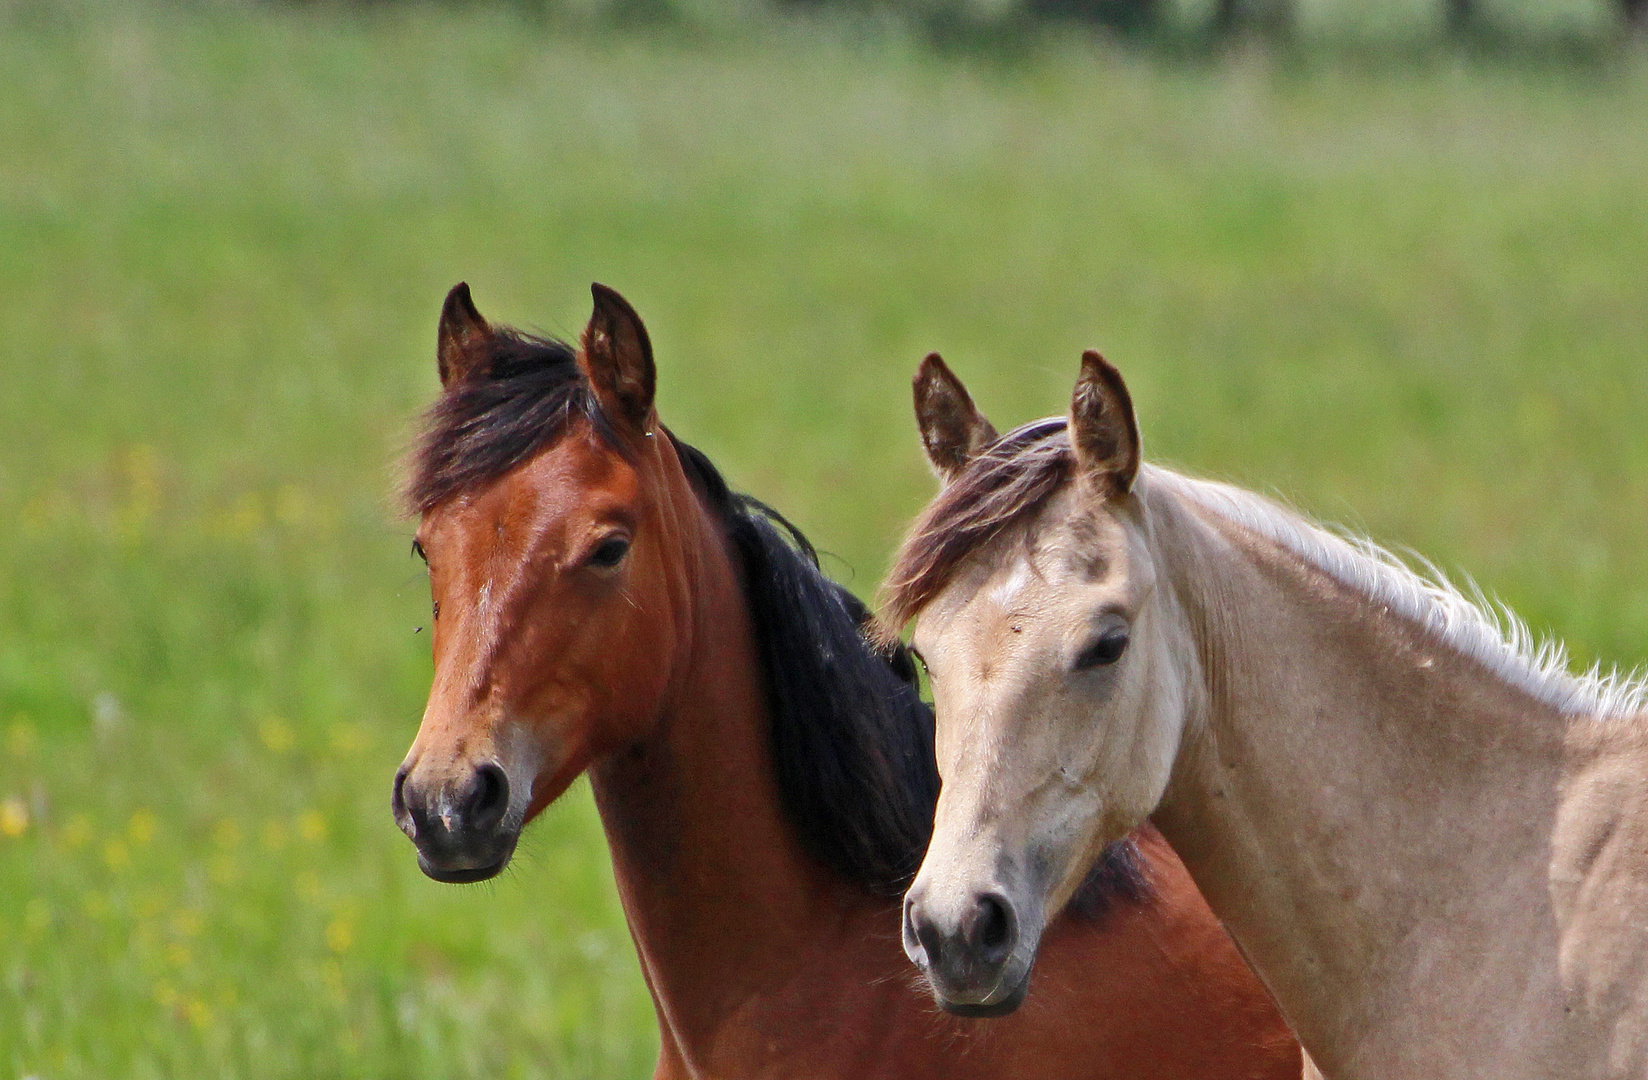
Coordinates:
1106 650
609 552
417 549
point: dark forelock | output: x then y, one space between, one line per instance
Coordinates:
516 401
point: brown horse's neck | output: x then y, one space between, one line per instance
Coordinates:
725 906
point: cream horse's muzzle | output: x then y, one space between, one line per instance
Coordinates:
969 950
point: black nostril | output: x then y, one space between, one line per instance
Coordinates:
397 801
918 934
993 929
921 937
490 800
930 939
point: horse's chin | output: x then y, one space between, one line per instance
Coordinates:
1002 1006
463 876
468 871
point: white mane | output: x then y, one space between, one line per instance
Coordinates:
1467 620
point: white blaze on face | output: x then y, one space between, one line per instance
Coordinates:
1006 592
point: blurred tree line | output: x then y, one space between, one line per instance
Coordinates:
1210 22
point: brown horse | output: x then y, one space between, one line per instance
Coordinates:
765 778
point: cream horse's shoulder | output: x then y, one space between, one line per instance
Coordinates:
1599 882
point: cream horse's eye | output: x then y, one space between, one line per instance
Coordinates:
1106 649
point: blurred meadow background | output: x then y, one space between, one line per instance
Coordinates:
1399 279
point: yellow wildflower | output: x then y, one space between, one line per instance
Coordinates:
14 816
340 934
276 734
142 827
116 856
312 825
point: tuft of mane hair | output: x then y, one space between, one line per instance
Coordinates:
1001 488
852 739
516 402
1464 618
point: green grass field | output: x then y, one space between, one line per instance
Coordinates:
1413 299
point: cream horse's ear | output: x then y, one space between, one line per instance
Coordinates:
952 429
1103 431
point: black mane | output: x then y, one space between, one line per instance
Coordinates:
852 738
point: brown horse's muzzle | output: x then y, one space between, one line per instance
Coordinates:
460 822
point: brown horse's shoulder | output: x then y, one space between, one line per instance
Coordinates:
1164 956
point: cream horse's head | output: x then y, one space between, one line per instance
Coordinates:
1055 654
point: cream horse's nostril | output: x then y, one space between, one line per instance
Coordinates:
914 947
923 942
994 930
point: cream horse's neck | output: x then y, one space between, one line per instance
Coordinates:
1437 869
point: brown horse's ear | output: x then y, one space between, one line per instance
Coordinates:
461 344
1103 431
952 429
617 361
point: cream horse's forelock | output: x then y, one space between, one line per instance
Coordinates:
1465 619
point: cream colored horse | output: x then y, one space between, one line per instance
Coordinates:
1428 838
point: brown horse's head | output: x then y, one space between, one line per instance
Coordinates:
551 530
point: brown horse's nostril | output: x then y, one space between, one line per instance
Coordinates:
490 799
397 801
459 818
